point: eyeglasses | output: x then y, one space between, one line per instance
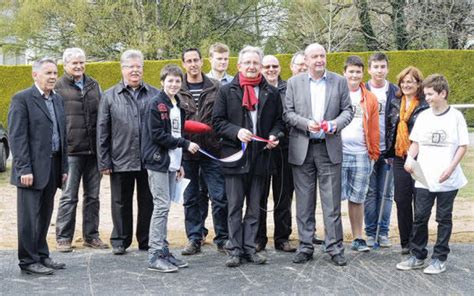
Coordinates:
250 63
271 66
409 82
133 67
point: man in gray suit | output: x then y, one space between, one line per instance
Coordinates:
317 107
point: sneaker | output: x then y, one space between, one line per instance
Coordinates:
160 263
436 266
64 246
359 245
411 263
118 250
191 249
95 243
370 241
176 262
384 241
255 258
233 261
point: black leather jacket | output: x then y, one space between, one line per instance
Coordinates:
119 127
394 119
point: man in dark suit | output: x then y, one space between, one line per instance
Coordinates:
246 107
38 142
312 98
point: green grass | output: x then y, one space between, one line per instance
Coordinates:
470 129
467 164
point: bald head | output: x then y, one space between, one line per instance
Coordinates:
271 69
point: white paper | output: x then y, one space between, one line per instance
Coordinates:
177 192
417 174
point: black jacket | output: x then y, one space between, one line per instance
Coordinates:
394 119
30 131
201 113
229 117
156 135
119 126
81 108
391 96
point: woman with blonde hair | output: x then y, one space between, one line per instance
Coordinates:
404 111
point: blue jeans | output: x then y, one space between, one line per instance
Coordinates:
85 168
211 173
374 199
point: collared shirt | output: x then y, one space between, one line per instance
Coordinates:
318 98
224 80
55 139
254 113
79 83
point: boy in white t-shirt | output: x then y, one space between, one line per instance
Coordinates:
439 139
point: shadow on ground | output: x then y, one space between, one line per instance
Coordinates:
91 272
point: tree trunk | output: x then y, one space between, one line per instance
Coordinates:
366 26
399 24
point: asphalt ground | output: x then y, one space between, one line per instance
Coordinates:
98 272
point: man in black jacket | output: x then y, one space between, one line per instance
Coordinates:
119 127
198 94
81 95
37 131
245 108
281 176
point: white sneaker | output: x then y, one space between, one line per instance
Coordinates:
370 241
384 241
436 266
411 263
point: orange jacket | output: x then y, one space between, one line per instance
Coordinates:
370 106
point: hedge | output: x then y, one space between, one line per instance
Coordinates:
457 66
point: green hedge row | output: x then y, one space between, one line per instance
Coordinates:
457 66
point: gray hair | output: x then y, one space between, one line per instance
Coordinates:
313 46
250 49
131 54
297 54
39 63
74 52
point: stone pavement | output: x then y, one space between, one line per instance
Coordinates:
98 272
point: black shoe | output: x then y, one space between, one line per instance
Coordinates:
339 260
37 268
285 247
118 250
255 258
143 248
317 240
233 261
221 248
191 249
302 257
49 263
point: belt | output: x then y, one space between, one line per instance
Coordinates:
55 154
317 141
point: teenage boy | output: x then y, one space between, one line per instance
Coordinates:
360 148
385 93
440 133
162 155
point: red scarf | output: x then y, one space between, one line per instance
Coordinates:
250 99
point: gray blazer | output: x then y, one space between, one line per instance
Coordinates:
297 114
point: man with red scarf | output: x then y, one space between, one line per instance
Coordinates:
245 108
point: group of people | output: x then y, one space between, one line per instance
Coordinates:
318 129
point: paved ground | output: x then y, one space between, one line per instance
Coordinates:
100 273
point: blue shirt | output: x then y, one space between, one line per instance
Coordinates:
224 80
318 100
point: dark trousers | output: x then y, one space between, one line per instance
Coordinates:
210 171
404 196
122 185
35 208
80 167
444 216
282 188
243 229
